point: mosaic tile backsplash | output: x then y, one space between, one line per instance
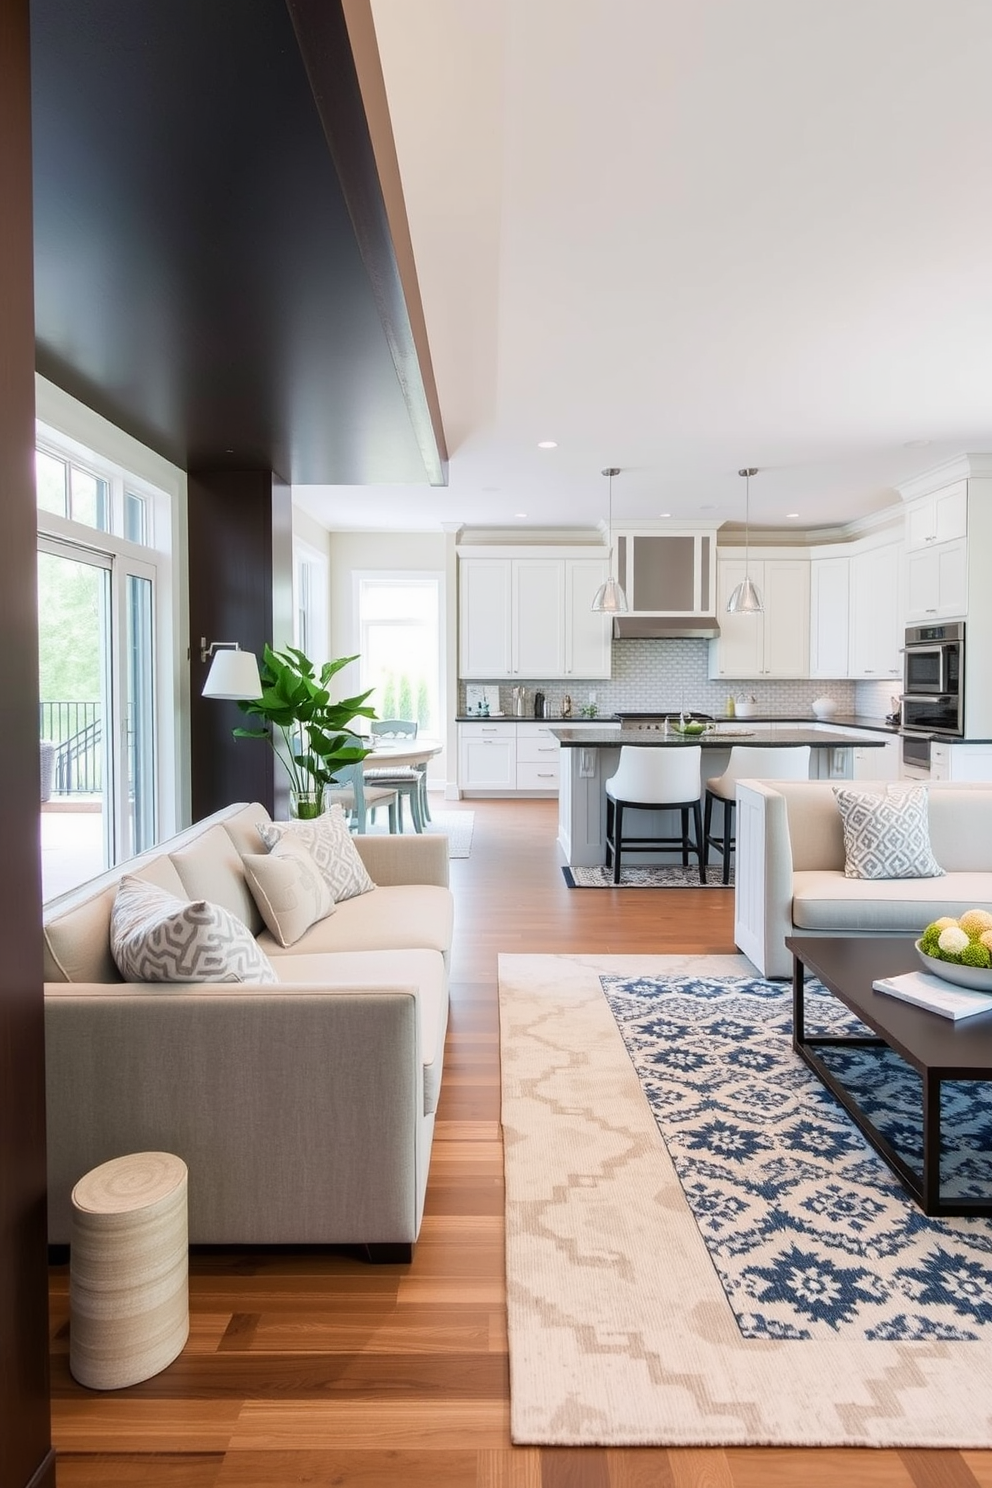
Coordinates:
663 676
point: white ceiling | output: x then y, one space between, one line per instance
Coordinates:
683 236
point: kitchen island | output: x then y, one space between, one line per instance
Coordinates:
589 756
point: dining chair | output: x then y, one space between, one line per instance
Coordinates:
747 761
652 778
359 798
409 781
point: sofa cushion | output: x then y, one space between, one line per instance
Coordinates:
328 840
388 970
826 900
156 937
77 941
418 916
210 868
288 888
886 834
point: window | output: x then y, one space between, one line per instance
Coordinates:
399 633
97 661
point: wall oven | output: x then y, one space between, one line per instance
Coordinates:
933 659
933 679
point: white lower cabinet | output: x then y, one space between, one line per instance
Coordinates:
537 757
960 761
878 764
487 756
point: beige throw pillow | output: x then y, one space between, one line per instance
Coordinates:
289 889
328 841
887 836
157 937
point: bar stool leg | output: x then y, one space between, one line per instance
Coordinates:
685 836
617 838
728 823
697 817
708 824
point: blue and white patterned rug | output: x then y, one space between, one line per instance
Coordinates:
808 1229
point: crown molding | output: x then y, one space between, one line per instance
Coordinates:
959 467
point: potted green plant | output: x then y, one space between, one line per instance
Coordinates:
309 733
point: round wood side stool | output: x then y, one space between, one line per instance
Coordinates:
128 1270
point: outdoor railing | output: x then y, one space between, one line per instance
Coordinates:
76 731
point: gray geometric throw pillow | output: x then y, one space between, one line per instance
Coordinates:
157 937
329 842
887 836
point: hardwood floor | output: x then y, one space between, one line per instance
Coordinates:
312 1367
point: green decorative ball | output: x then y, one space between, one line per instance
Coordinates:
928 941
975 955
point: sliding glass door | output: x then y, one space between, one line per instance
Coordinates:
97 725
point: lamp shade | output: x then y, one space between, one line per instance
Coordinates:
745 600
234 675
610 598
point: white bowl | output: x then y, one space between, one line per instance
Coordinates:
977 978
746 710
824 707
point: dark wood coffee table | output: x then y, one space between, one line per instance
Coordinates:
936 1047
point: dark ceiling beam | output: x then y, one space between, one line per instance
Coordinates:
341 55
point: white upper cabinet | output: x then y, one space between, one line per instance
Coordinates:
938 518
588 635
877 622
937 582
830 620
537 617
774 643
484 589
524 617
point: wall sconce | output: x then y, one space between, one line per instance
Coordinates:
233 673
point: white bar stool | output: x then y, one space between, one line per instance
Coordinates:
748 762
128 1270
664 777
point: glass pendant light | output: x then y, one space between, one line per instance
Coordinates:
745 599
610 598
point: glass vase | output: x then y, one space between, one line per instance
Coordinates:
304 805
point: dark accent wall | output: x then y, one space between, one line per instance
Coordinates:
25 1435
240 589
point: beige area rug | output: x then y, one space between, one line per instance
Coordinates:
620 1332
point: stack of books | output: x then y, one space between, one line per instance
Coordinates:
935 995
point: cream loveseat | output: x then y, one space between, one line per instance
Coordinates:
790 868
304 1110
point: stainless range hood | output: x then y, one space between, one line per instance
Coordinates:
665 627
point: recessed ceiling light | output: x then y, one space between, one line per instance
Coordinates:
521 514
791 516
547 444
664 514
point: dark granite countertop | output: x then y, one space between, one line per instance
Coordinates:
743 731
839 721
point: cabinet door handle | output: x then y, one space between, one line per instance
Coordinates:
545 774
546 748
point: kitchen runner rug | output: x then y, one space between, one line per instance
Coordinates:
646 876
808 1304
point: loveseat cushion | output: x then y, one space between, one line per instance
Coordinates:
353 970
415 916
826 900
210 868
77 940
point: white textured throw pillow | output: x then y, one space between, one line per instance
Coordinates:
289 889
887 836
328 841
157 937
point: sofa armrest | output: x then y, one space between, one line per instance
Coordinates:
763 878
299 1110
395 859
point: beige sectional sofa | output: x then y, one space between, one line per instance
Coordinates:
305 1110
790 868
